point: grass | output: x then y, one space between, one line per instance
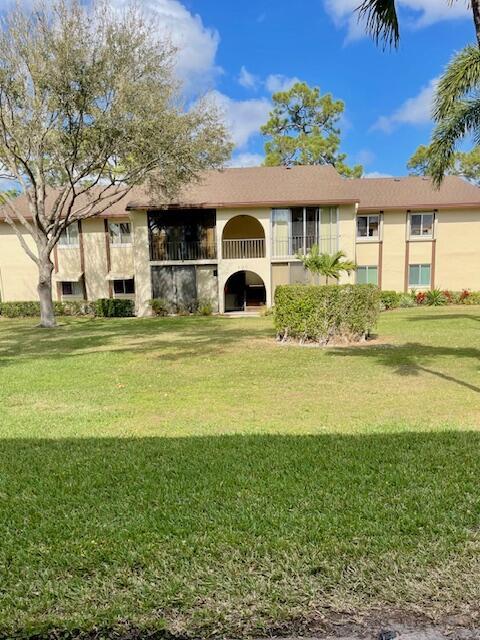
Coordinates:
189 474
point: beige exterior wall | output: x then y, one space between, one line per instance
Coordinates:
18 272
454 255
260 266
347 237
96 263
394 234
141 263
458 250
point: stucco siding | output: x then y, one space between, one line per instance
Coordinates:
18 272
394 248
458 250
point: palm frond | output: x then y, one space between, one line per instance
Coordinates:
461 77
381 21
462 120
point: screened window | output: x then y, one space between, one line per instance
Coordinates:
72 289
368 226
120 232
419 275
367 275
421 225
69 236
122 287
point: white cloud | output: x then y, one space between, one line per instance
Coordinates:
197 44
377 174
277 82
246 160
414 111
416 13
242 117
247 79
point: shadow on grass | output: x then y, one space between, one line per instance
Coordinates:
130 529
175 338
412 358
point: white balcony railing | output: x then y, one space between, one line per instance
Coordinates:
293 245
243 248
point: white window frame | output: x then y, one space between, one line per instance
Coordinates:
367 267
420 265
420 237
66 234
368 238
118 223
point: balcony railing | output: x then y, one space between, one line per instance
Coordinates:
285 247
181 251
243 248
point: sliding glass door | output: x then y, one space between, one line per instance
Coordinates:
296 230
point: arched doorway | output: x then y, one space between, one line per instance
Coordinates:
243 237
244 290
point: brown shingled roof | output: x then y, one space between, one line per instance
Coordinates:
306 185
414 193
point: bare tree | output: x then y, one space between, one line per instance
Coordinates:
89 108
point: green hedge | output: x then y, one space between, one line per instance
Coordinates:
389 299
107 308
114 308
323 314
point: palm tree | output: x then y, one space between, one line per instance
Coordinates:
325 264
381 19
456 110
457 103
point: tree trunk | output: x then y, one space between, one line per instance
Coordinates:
476 18
47 314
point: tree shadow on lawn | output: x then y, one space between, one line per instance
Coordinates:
189 528
448 316
173 338
411 358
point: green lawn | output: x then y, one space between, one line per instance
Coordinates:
192 474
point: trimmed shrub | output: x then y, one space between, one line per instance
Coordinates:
472 298
160 307
204 307
73 308
338 313
27 309
405 300
389 299
114 308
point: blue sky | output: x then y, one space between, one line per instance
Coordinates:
241 51
247 48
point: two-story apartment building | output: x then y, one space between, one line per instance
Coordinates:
235 236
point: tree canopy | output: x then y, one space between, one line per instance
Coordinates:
89 106
303 129
463 163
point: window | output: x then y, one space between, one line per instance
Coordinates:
72 289
368 227
123 287
421 225
419 275
120 233
367 275
69 236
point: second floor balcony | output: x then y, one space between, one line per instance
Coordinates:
181 251
291 246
